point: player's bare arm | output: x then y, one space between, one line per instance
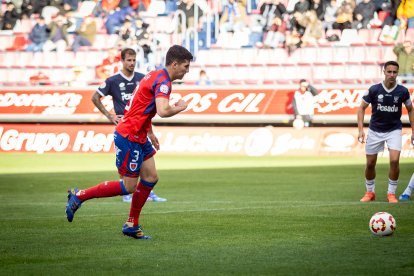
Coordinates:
96 99
153 139
164 109
360 116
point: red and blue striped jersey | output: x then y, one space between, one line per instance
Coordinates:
141 108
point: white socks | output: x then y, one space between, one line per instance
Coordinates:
392 186
370 185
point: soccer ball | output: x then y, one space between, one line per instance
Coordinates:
298 123
382 224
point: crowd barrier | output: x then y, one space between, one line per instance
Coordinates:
206 105
185 140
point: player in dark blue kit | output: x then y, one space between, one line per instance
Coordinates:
386 99
120 87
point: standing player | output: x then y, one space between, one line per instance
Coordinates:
385 126
406 195
120 86
134 152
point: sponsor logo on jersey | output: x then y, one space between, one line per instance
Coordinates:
103 85
122 86
164 88
380 98
387 108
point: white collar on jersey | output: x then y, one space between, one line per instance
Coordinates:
386 89
125 77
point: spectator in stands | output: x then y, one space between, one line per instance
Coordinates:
344 15
303 104
70 5
39 79
126 34
78 79
58 34
330 15
319 6
405 58
405 13
363 15
58 4
203 78
145 40
187 7
297 14
110 65
38 36
140 5
269 10
276 35
38 5
85 35
233 17
117 18
313 31
26 9
10 17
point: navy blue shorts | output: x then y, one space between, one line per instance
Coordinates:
131 155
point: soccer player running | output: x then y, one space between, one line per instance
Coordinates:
134 152
386 99
120 87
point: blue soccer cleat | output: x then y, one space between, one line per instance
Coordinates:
74 203
153 197
134 232
404 197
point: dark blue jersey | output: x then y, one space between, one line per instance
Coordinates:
386 106
120 88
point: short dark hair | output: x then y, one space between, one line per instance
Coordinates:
127 51
177 53
391 62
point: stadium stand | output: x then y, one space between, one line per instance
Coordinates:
229 59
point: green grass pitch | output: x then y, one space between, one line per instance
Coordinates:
224 216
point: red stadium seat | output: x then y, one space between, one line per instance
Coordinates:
19 43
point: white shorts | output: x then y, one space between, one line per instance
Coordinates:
376 141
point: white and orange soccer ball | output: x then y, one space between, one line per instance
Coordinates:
382 224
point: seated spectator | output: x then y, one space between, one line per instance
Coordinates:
363 15
26 9
39 79
233 17
297 14
203 78
85 36
117 18
126 34
405 14
269 10
330 15
344 15
110 65
38 5
405 58
58 34
10 17
70 5
276 35
187 7
38 36
313 31
319 6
